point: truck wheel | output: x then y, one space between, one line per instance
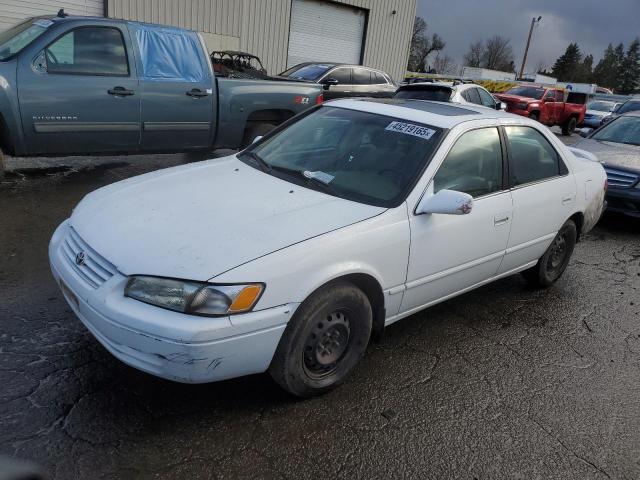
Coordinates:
255 130
324 340
554 262
569 126
535 116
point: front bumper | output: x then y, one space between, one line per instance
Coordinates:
624 200
171 345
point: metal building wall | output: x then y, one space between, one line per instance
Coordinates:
262 26
14 11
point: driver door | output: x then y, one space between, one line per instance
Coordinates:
450 253
80 94
344 86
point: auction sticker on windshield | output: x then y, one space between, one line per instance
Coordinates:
411 129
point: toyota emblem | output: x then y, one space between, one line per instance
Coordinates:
80 258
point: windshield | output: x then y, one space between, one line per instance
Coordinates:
308 72
529 92
360 156
629 107
436 94
601 106
621 130
18 37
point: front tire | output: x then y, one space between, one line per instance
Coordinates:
535 116
569 126
554 262
324 341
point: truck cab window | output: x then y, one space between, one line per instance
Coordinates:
88 51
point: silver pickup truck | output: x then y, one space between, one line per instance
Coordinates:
82 85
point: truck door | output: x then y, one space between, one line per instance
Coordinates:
80 93
548 110
177 88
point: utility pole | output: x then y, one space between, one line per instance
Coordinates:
526 50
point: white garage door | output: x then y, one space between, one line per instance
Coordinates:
324 32
14 11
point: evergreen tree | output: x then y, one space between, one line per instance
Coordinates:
568 64
606 73
585 73
630 72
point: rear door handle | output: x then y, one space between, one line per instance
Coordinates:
120 91
197 93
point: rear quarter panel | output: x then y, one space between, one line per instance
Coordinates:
239 98
590 181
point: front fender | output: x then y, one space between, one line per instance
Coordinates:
377 247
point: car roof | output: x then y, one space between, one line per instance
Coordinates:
632 113
438 114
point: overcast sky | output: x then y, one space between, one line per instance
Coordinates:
592 23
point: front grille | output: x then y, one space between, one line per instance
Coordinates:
620 178
93 269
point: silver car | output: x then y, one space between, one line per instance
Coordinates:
464 93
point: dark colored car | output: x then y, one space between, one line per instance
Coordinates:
617 145
342 80
626 107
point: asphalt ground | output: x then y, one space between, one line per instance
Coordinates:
502 382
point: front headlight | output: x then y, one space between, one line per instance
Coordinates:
195 298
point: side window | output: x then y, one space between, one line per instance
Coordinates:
343 75
471 95
486 98
550 96
559 96
361 76
473 165
379 78
88 51
532 158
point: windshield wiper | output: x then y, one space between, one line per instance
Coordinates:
264 166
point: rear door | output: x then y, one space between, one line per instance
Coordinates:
543 195
80 94
176 88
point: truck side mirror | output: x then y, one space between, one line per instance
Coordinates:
448 202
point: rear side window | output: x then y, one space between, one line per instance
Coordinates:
435 94
88 51
473 165
532 158
378 78
486 98
472 96
361 76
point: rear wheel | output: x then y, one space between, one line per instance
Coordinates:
324 340
255 130
569 126
554 262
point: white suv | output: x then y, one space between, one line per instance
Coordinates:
464 93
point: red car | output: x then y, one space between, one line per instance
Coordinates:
544 104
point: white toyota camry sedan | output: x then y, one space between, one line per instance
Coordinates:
290 255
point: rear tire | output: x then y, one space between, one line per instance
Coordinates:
569 126
255 130
324 341
553 263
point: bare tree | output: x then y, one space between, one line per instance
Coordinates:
445 65
541 67
498 54
473 58
422 46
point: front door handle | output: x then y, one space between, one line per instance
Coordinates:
566 200
120 91
197 93
500 220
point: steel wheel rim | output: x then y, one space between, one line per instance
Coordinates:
558 252
326 344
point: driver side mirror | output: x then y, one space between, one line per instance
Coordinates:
501 105
447 202
328 82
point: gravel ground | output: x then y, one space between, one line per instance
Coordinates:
503 382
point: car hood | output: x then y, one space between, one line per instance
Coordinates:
597 113
200 220
505 97
618 154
